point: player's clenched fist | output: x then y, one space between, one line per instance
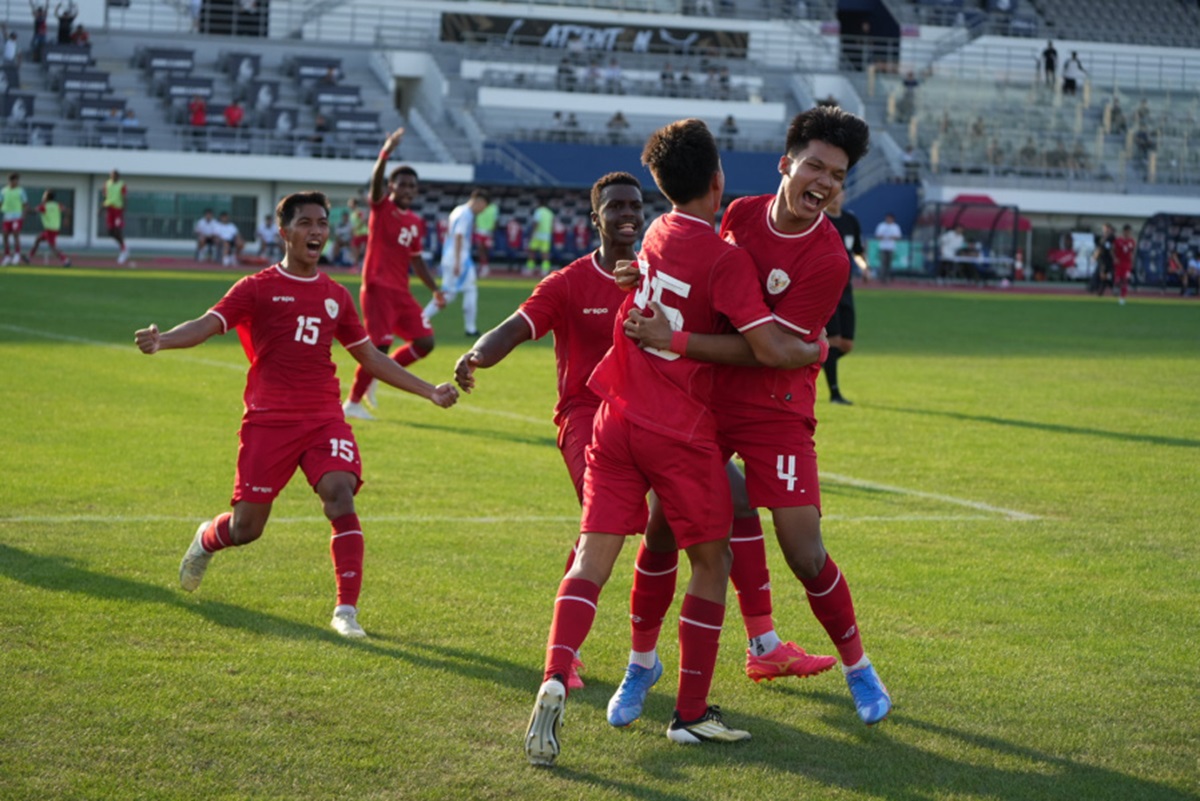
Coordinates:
444 395
147 339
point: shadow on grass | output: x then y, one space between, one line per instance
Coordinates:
1055 428
881 763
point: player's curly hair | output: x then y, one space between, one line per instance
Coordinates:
612 179
285 212
403 169
833 126
683 158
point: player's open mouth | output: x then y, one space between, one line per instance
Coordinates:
629 229
314 247
814 199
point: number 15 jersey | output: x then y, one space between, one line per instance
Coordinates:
287 325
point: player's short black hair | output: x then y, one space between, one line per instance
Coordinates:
285 212
403 169
50 196
833 126
481 194
683 158
612 179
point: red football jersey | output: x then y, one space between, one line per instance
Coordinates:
1123 250
704 285
514 231
578 303
291 324
394 236
801 277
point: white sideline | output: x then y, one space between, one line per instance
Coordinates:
990 510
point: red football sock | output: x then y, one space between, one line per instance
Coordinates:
346 549
653 591
217 536
700 624
406 354
362 380
829 597
750 576
574 612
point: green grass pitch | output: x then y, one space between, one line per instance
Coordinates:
1012 497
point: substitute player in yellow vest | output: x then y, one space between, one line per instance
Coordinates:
52 213
14 204
539 240
114 210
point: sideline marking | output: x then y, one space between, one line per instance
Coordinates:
1009 514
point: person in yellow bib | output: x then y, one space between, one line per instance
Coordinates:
539 240
52 213
114 210
359 229
14 205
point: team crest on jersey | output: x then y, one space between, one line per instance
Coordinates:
777 281
331 306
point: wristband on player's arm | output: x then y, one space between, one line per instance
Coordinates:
679 340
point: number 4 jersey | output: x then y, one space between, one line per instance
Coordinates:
287 325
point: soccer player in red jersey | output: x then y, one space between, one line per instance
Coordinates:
287 317
394 236
578 305
766 414
1123 250
654 430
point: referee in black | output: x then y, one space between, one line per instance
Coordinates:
840 328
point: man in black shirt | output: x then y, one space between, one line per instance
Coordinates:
840 328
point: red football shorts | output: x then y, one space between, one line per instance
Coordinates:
13 226
625 461
574 435
269 453
50 237
391 313
1121 275
114 218
781 460
359 242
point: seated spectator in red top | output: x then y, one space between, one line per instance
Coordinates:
198 111
80 37
234 114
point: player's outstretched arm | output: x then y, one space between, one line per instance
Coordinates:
490 348
380 169
379 365
185 335
765 345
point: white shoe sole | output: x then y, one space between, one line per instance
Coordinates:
541 739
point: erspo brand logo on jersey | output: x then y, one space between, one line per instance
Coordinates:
777 281
595 311
283 299
331 307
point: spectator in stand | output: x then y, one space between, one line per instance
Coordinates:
80 37
612 78
1049 63
887 233
1141 114
571 128
316 140
617 126
207 239
268 238
234 114
198 118
231 240
12 50
687 87
66 20
130 119
724 83
729 130
330 78
912 165
1116 117
37 44
564 79
666 78
1072 71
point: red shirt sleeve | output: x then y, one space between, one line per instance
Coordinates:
736 293
811 300
543 310
237 307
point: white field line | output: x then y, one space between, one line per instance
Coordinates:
989 510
